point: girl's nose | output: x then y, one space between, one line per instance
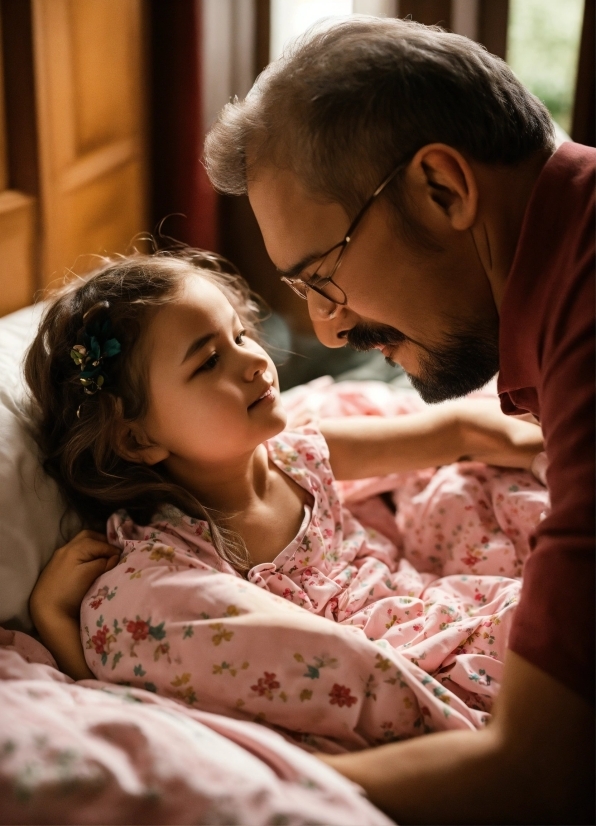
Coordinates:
256 364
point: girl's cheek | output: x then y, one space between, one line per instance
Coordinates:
273 370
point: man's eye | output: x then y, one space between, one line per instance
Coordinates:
240 337
209 364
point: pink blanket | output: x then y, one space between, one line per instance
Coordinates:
93 753
406 618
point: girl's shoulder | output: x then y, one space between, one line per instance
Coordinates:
168 519
170 535
300 446
302 453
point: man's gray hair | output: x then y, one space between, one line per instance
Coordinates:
347 103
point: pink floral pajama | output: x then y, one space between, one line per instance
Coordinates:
420 612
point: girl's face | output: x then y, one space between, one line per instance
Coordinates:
213 392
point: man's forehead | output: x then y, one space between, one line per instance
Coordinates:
294 224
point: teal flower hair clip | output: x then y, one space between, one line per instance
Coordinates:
91 354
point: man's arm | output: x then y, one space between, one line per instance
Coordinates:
363 446
534 763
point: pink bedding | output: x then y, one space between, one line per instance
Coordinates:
93 753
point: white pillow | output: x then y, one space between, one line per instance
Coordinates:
31 508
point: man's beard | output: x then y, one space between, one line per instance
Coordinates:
465 362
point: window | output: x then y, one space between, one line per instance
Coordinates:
542 50
290 18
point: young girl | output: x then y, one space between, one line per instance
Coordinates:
155 396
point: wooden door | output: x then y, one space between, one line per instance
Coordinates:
73 127
18 203
89 73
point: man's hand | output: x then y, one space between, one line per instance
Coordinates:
534 763
489 436
55 603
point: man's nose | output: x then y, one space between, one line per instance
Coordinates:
331 322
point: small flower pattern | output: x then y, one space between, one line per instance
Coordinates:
352 634
340 695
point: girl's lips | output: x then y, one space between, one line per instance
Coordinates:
267 396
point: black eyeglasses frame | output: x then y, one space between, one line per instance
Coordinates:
301 287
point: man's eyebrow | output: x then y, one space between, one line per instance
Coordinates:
197 345
301 265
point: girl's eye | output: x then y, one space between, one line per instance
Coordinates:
214 358
209 364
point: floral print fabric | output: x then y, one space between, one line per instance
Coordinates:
359 632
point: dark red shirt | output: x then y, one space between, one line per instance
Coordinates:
547 367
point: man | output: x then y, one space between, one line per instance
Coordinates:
407 186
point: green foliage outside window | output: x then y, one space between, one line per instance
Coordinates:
542 50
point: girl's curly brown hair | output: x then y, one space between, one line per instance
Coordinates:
76 432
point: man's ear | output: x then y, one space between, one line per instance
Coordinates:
448 182
133 445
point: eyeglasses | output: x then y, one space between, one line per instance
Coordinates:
325 285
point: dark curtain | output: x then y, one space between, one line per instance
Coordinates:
583 128
180 187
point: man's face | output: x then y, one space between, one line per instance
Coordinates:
430 310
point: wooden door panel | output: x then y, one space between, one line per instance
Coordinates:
91 125
17 227
103 215
4 175
17 250
105 43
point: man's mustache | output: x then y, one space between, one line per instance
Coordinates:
366 337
